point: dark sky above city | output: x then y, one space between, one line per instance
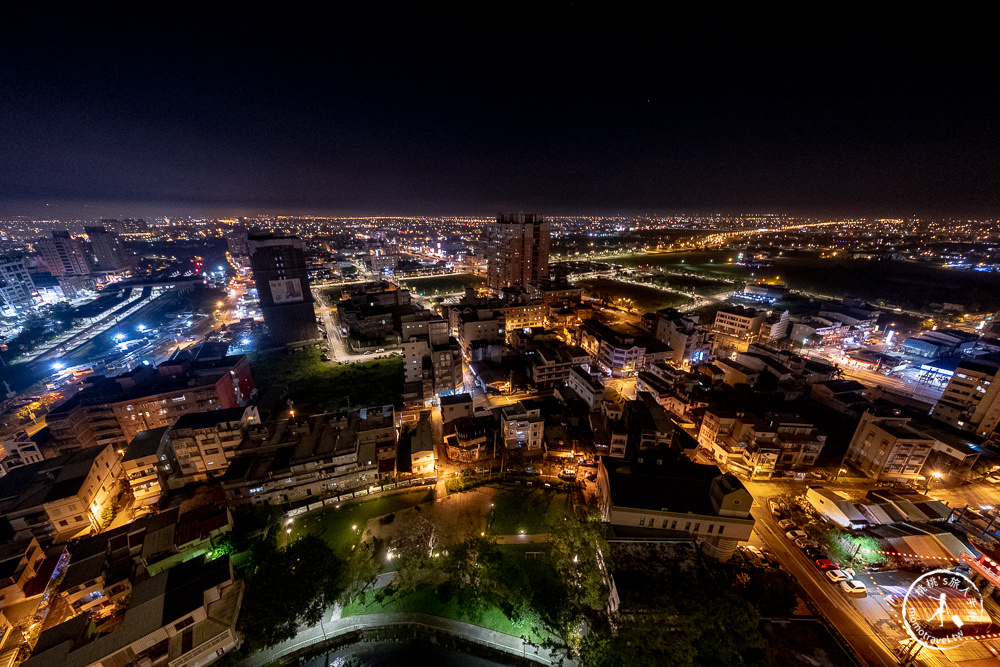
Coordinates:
495 107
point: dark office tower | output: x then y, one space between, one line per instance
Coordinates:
236 242
108 249
517 247
63 254
279 270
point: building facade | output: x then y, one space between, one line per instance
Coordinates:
517 251
282 278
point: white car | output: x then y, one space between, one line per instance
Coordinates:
796 535
854 588
787 524
836 576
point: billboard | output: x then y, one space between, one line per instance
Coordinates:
288 290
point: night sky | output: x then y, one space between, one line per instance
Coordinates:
573 110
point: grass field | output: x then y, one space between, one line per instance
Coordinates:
316 386
529 510
427 601
694 284
648 299
444 284
336 526
899 283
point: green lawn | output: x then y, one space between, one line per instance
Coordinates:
693 284
529 510
443 284
648 299
425 600
316 386
336 526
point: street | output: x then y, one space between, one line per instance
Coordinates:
869 625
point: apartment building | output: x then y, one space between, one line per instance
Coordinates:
523 427
888 448
201 445
671 498
971 401
312 457
185 617
114 410
551 363
62 497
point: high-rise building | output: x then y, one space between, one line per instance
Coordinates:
281 276
63 254
107 249
15 282
517 248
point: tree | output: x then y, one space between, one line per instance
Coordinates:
771 592
360 571
291 587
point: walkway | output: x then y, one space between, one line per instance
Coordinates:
328 630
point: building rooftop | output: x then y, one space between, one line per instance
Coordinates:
145 444
672 487
208 419
52 479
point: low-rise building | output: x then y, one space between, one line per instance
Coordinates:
185 617
456 406
141 465
16 450
201 445
671 497
470 439
588 387
20 562
887 448
62 497
310 457
551 363
523 427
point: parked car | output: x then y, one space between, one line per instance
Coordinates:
854 588
836 576
752 554
796 535
805 543
771 559
814 552
787 524
775 508
826 564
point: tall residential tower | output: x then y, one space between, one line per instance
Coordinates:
517 248
279 270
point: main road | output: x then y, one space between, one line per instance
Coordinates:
842 612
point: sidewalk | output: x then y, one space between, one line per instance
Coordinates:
328 630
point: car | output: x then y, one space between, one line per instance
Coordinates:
814 552
752 554
836 576
775 508
895 600
826 564
805 543
796 535
771 559
787 524
854 588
